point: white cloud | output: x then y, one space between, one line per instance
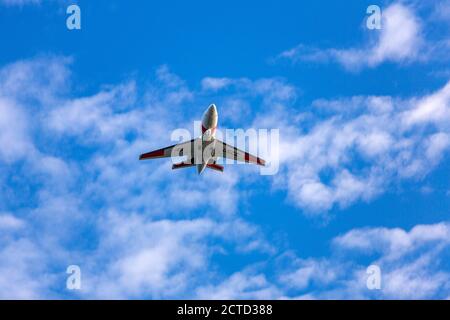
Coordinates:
39 81
210 83
434 109
153 227
15 142
23 271
241 285
352 149
143 217
10 222
112 176
437 145
159 258
400 40
394 242
155 258
272 90
409 263
413 281
100 117
310 272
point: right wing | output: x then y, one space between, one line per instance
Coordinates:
181 149
230 152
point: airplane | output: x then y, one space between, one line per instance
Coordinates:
203 152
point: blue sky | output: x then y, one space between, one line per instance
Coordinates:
364 120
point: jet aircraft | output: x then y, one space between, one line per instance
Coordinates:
203 152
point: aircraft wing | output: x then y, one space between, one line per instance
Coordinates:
234 153
181 149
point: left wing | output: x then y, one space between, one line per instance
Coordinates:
234 153
181 149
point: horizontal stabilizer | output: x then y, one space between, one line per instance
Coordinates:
214 166
182 165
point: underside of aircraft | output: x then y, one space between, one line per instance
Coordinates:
204 151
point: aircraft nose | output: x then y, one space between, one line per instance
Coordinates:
213 109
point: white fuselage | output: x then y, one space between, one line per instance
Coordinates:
209 125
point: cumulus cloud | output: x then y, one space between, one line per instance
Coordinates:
161 258
308 272
394 242
77 168
270 89
214 84
241 285
158 259
10 222
26 87
98 117
15 141
83 177
408 260
23 271
352 149
431 109
400 40
41 80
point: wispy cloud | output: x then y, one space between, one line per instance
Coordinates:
161 258
79 172
77 162
352 149
9 222
400 40
241 285
408 260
